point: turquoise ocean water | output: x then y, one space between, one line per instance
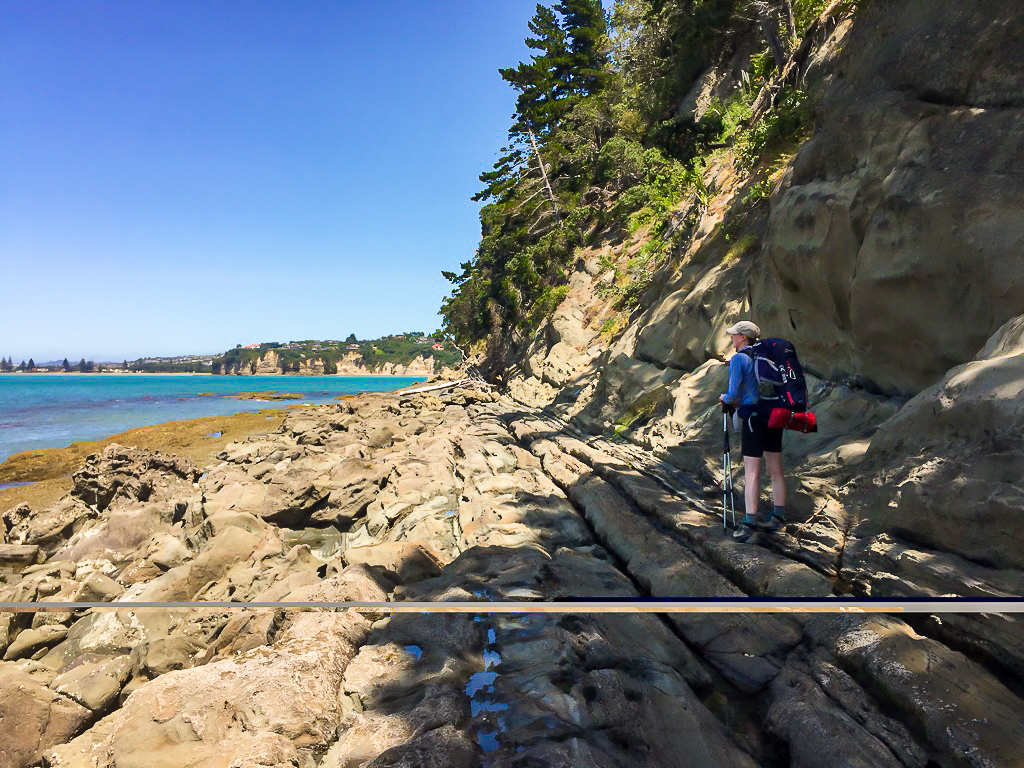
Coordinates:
53 411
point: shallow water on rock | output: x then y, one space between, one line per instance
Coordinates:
480 681
414 650
485 705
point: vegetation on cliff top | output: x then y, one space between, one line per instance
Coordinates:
599 144
372 354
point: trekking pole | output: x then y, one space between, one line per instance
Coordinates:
728 498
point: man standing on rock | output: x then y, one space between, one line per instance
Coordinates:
758 439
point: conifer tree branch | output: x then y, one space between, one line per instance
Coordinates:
544 173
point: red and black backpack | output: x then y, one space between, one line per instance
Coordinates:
782 388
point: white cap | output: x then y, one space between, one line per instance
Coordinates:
745 327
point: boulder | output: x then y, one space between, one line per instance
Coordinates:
34 718
164 654
97 588
231 547
16 515
29 641
411 561
51 527
95 685
15 557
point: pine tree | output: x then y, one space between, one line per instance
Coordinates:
82 365
22 367
31 364
526 240
66 365
540 86
541 82
586 29
571 64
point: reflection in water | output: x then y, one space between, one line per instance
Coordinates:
488 740
480 681
484 705
491 659
477 707
415 651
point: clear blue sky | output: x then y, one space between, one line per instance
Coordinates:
180 177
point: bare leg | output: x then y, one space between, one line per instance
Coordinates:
774 463
751 485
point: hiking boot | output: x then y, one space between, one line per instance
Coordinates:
743 532
775 524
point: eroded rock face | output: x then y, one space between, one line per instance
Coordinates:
952 461
120 474
895 245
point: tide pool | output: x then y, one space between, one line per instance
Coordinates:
38 412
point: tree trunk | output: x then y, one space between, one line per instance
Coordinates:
787 8
544 174
770 30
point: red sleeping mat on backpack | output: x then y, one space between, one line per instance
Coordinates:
782 418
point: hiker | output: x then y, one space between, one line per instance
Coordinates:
758 439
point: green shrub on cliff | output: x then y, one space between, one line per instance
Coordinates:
788 122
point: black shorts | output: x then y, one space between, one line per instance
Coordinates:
758 437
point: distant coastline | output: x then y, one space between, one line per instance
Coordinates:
102 373
216 375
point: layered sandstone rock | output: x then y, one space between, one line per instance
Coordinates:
472 497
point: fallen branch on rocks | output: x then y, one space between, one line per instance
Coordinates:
471 383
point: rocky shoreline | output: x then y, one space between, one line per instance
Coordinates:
467 496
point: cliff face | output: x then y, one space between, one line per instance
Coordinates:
350 365
894 246
888 248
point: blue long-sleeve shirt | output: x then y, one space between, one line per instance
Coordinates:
742 382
